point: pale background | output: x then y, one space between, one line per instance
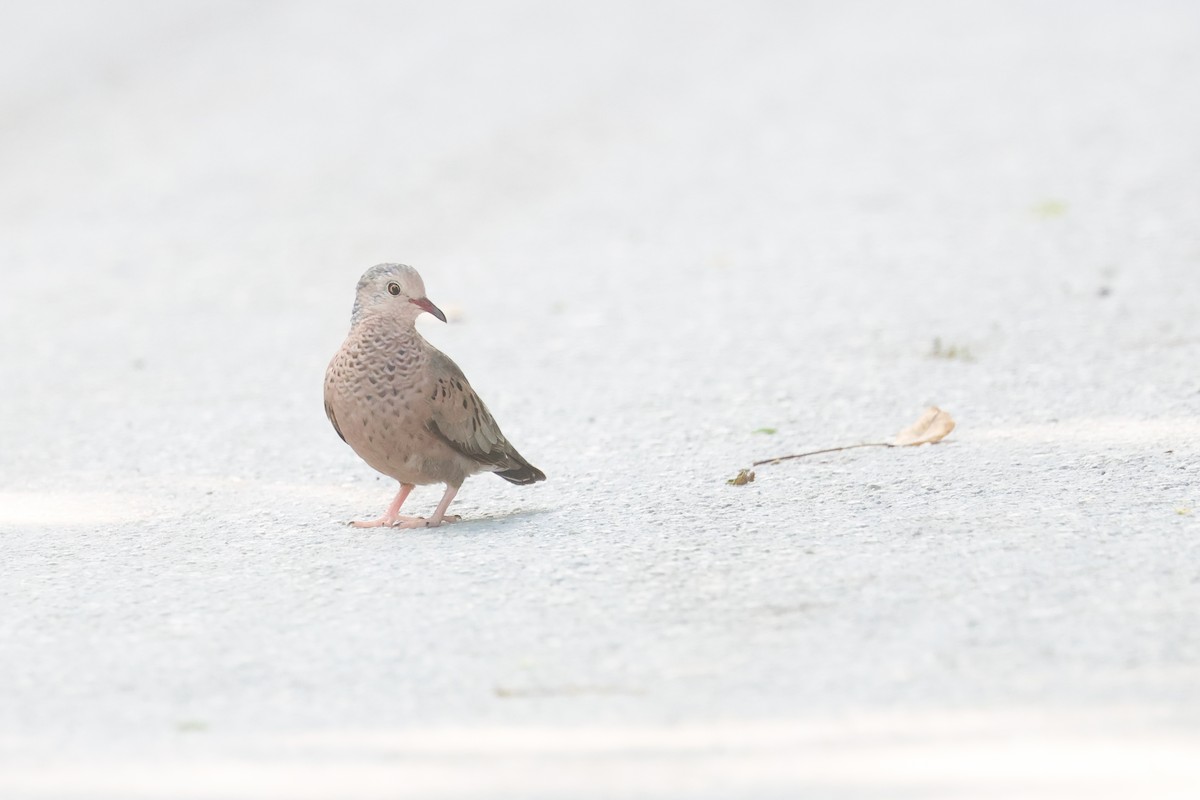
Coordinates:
659 228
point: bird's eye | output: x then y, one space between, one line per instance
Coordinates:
393 288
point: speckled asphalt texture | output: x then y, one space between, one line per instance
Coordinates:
658 230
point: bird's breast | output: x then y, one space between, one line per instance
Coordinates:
374 388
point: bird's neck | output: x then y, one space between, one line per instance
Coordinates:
404 349
387 332
384 327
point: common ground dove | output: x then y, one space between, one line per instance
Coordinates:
404 406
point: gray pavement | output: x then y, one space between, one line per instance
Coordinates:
659 229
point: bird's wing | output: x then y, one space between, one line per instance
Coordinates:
461 419
333 419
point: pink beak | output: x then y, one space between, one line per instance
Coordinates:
424 304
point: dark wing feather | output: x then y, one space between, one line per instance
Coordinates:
333 419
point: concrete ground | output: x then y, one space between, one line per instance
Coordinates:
661 230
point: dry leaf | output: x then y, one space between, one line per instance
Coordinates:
933 426
743 477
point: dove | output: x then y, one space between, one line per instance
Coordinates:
404 407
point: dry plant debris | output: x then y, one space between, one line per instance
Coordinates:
952 352
743 477
932 426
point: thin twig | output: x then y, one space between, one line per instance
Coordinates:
819 452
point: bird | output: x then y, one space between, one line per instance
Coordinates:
405 407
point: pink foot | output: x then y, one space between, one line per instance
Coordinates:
392 518
382 522
392 515
421 522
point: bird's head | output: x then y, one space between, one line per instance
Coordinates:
394 290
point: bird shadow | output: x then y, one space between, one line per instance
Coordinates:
468 525
476 521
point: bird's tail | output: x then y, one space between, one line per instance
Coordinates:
522 474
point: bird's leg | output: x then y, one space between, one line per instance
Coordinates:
439 516
393 513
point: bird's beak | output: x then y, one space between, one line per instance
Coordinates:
424 304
